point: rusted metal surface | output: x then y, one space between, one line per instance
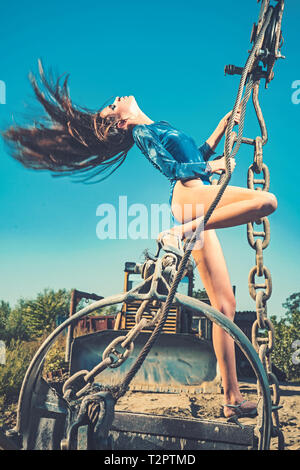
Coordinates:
43 413
76 296
58 424
35 368
145 432
34 397
6 443
176 363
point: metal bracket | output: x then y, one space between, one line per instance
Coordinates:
97 413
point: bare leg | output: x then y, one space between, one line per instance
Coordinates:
236 207
214 275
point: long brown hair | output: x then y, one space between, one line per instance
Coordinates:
69 139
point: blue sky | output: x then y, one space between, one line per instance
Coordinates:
170 55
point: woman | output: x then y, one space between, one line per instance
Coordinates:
76 141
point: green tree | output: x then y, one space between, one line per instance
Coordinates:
18 356
4 314
109 310
16 328
200 294
39 316
287 331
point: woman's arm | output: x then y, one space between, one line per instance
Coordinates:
218 133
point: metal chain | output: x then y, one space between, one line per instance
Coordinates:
261 292
78 384
269 39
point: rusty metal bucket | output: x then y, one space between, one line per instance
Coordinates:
176 362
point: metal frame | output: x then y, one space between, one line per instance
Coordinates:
34 370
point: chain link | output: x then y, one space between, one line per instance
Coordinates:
261 292
112 357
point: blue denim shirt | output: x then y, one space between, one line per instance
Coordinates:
173 153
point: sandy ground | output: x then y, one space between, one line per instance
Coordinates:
204 406
209 406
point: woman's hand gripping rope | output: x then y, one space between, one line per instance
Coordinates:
218 165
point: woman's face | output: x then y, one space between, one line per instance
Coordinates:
124 107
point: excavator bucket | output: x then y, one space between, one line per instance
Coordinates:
181 359
176 362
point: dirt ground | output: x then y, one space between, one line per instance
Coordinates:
209 406
204 406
